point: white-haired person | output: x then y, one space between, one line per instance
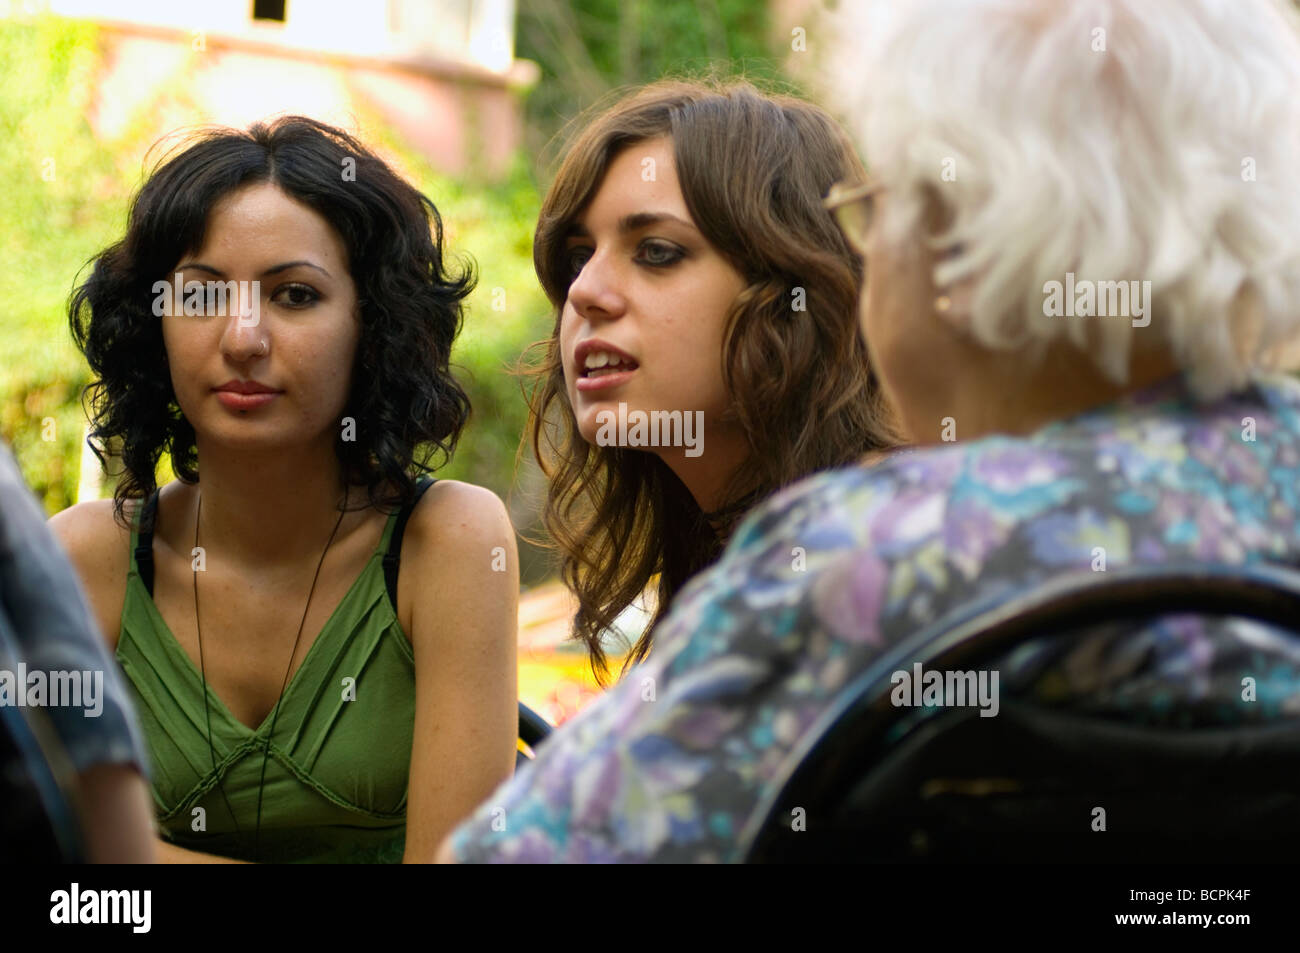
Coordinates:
1025 158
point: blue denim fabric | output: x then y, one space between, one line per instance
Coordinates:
46 625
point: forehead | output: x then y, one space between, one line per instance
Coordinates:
640 177
263 219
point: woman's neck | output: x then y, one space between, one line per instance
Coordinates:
1006 394
269 509
708 477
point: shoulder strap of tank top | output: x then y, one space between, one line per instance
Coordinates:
144 542
394 554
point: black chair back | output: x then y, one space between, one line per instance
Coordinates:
533 729
1027 784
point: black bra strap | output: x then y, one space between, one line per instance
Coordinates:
394 554
144 541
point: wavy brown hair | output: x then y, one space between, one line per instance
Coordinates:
753 169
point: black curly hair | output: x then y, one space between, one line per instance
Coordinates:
403 395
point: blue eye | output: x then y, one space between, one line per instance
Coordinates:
577 257
660 254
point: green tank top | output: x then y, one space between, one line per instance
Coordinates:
336 779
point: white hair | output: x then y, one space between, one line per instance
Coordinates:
1135 140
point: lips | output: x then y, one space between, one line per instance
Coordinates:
245 387
595 359
243 396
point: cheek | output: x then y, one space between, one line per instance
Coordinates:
341 384
564 342
895 315
877 329
902 352
181 347
345 338
679 353
699 375
175 341
317 365
702 329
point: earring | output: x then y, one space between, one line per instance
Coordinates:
261 348
943 303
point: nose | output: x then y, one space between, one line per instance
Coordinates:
595 292
245 335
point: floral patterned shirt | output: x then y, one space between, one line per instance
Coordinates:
668 764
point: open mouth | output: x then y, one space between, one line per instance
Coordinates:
602 363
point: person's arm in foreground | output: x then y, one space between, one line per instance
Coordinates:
115 816
54 631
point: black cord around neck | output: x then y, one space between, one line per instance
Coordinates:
203 673
275 712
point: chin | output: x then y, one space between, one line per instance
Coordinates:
242 440
246 429
585 422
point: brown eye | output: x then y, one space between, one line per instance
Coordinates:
296 296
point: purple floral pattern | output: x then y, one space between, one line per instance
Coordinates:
668 765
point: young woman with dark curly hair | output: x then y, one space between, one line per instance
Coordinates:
694 271
323 655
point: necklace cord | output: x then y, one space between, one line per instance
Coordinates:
275 712
203 674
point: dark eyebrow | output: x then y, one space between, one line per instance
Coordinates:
631 223
273 270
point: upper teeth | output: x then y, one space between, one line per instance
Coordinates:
601 358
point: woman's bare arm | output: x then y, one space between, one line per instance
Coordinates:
462 566
98 548
171 854
116 819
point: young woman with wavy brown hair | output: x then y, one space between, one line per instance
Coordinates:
693 268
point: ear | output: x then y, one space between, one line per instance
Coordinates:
939 215
953 301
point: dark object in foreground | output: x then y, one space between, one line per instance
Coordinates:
533 729
38 821
1024 785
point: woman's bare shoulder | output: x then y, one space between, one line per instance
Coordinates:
97 545
460 540
456 513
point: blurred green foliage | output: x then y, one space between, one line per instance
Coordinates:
489 225
65 200
586 48
70 201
